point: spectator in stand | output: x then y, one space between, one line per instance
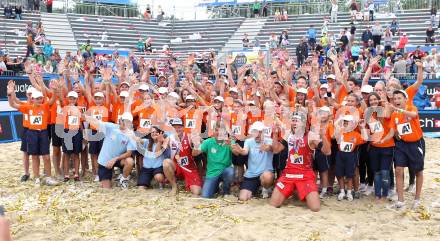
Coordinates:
256 7
344 39
377 32
430 39
147 13
334 11
284 39
366 36
436 98
354 9
246 42
2 64
394 27
8 12
86 49
400 68
48 68
388 40
277 15
140 45
39 57
56 56
371 11
49 4
265 7
429 67
37 6
161 14
403 41
285 16
355 51
324 28
352 32
273 42
30 45
48 49
40 36
433 14
324 40
148 46
311 34
301 52
18 12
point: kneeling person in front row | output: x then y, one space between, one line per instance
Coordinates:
116 149
260 170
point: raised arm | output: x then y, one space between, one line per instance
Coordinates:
11 94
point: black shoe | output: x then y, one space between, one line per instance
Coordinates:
356 195
66 179
24 178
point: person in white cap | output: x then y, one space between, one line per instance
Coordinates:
259 170
25 123
347 156
119 143
298 174
37 136
119 105
72 138
98 109
182 163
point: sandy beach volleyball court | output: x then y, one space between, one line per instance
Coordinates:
82 211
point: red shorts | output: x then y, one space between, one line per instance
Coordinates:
191 176
287 184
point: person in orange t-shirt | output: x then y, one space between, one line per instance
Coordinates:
72 138
99 110
347 156
381 152
410 145
37 135
119 106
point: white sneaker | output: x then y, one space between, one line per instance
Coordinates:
37 181
49 181
341 196
362 187
398 205
123 182
391 195
265 193
369 190
96 179
412 188
119 177
416 204
349 196
322 195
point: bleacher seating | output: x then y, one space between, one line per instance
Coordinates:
12 33
413 22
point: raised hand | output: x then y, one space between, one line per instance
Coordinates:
10 87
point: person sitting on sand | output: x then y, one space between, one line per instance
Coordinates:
181 163
116 151
298 173
259 168
219 165
155 149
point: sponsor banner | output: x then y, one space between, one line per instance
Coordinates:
21 85
430 121
244 57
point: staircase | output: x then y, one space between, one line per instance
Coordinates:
59 31
252 27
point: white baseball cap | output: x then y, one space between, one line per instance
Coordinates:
324 86
302 90
144 87
258 126
348 118
219 98
325 108
124 94
367 89
124 83
99 94
163 90
233 89
72 94
189 97
37 94
30 90
331 76
174 94
127 116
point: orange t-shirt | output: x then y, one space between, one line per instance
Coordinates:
350 141
98 112
146 118
411 91
38 115
72 117
342 94
379 129
23 108
118 109
191 121
409 129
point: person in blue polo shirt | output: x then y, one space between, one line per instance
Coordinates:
116 149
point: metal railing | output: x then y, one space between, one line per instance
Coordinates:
105 10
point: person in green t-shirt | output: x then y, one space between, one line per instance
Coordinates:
219 165
256 8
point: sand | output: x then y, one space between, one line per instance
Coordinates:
82 211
